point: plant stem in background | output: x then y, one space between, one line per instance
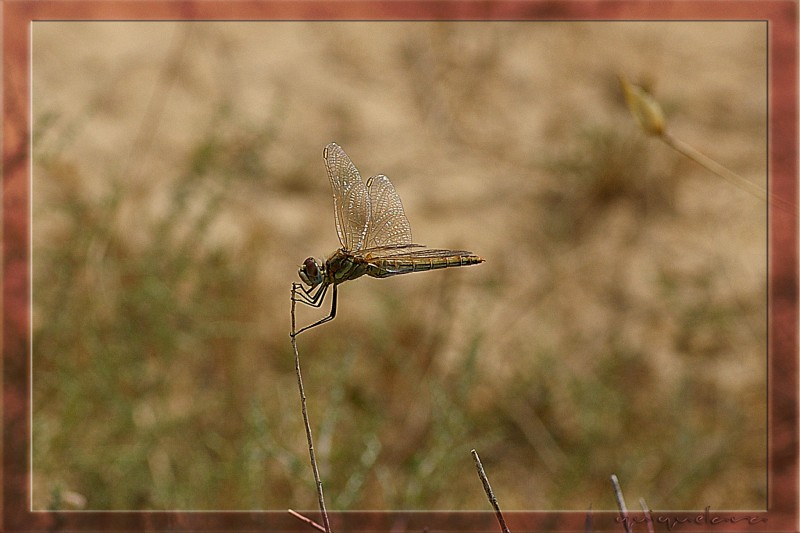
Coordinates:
711 165
314 468
729 176
648 518
623 510
648 114
587 522
489 493
306 520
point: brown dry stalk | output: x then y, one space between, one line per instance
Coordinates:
306 520
314 467
489 494
648 114
623 510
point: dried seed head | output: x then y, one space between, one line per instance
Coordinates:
643 107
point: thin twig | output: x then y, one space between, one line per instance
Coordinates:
489 493
648 114
623 511
648 518
170 74
711 165
306 520
314 468
729 176
588 521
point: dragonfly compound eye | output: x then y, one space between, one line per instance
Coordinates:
310 272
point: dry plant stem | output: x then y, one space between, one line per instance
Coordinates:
314 468
306 520
155 104
588 521
724 173
647 516
489 493
648 114
623 511
713 166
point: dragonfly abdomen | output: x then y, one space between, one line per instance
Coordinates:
382 268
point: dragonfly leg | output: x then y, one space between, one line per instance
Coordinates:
308 296
323 320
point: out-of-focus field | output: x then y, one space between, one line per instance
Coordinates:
617 325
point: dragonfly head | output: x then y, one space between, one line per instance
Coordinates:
311 272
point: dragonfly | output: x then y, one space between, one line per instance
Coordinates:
374 234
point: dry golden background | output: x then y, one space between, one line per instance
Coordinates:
617 326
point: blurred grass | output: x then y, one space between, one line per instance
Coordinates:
131 333
615 327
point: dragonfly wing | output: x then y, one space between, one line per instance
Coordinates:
390 250
411 251
350 198
388 225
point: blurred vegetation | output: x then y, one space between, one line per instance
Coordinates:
133 334
611 330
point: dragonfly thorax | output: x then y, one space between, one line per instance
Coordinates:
312 271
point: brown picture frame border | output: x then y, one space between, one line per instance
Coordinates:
782 20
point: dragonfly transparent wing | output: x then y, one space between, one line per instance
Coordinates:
410 251
350 198
387 224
